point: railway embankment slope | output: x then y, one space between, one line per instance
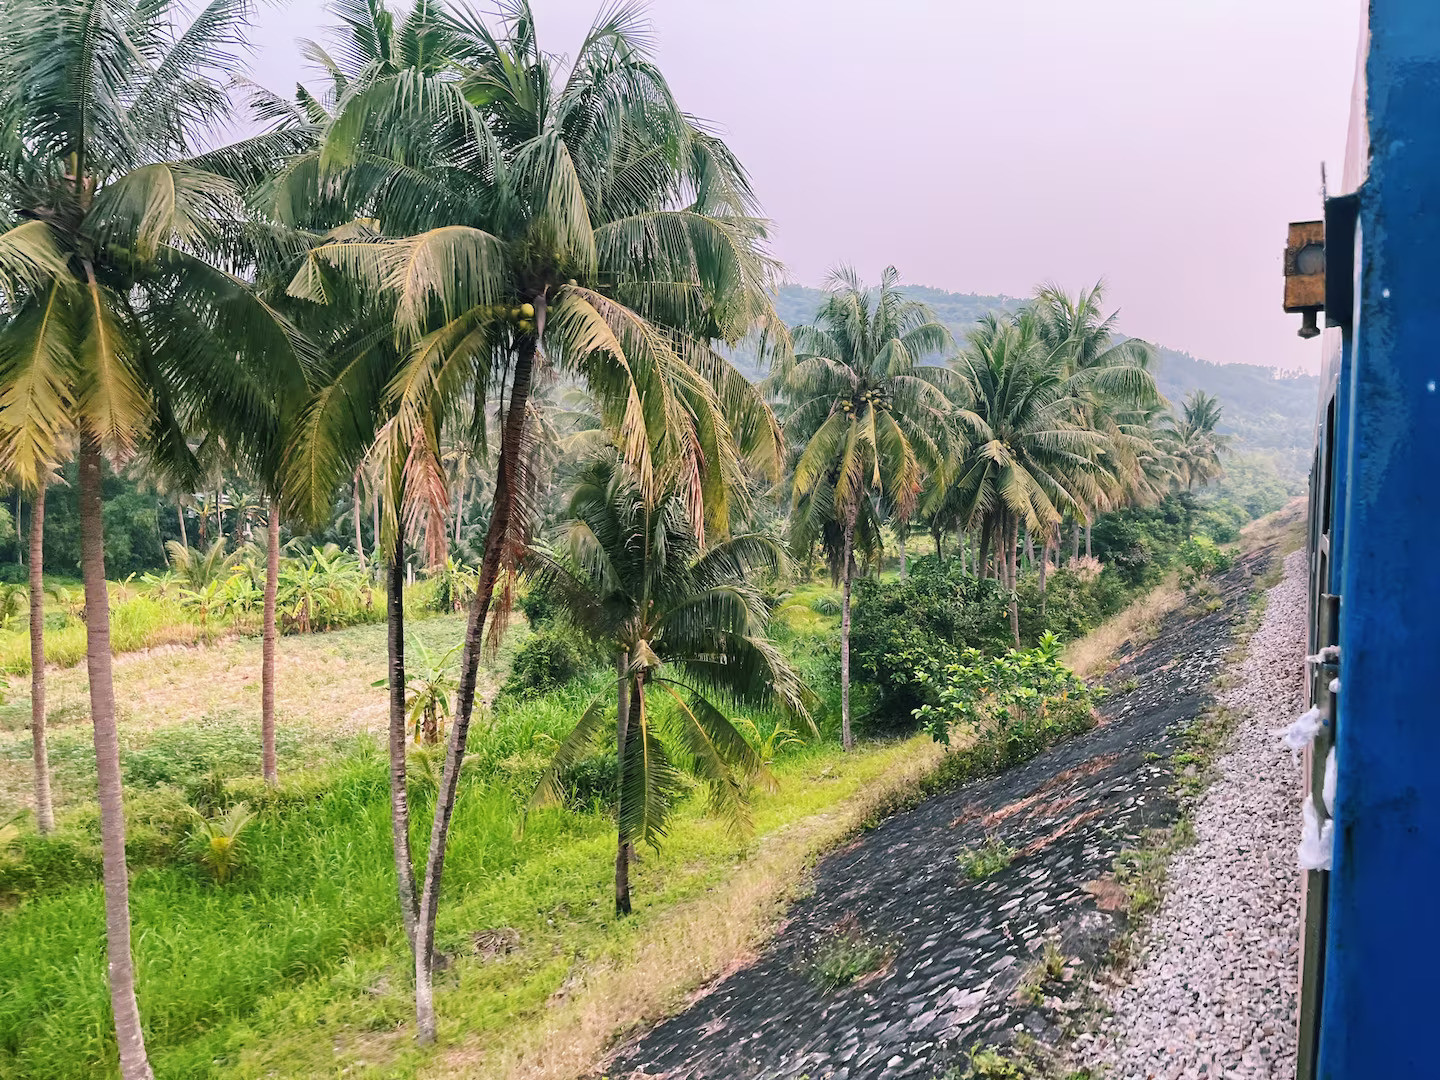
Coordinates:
1012 959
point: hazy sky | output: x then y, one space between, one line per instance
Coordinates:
988 146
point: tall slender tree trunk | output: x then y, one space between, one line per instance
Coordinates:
1044 568
128 1033
359 541
1087 538
496 537
847 740
459 511
1029 547
1011 554
268 764
622 732
900 546
1075 539
19 548
399 793
180 513
982 564
219 517
44 808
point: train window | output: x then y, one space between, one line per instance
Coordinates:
1327 480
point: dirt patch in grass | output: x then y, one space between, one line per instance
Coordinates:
324 691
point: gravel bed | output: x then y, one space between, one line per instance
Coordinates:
1214 991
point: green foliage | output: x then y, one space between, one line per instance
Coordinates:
550 658
183 756
920 624
845 956
1075 602
989 858
218 842
455 585
1020 696
1203 557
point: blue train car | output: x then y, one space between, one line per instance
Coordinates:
1370 978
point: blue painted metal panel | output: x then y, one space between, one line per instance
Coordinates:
1379 1015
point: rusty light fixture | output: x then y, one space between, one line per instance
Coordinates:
1305 273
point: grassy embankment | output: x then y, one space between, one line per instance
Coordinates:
297 968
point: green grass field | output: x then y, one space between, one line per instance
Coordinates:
298 967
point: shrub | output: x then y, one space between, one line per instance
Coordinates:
920 624
1203 557
989 858
549 659
1016 704
846 955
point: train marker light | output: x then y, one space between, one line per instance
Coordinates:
1305 273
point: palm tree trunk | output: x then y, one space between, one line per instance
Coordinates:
497 536
459 510
219 517
180 513
986 528
267 650
900 546
44 809
359 541
1029 547
1044 569
847 740
19 548
1087 538
128 1033
622 731
1075 540
399 794
1011 555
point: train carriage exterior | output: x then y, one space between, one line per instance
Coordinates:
1370 978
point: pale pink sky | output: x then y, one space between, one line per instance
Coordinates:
988 146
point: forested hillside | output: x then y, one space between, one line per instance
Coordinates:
1269 414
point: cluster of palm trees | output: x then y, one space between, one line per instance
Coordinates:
1040 418
394 275
394 261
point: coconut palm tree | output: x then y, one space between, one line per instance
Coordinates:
1031 455
686 627
1112 380
516 214
106 229
1191 438
866 419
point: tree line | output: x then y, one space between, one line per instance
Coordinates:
457 251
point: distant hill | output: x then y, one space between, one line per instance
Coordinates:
1269 413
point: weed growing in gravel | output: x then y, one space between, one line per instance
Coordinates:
847 956
989 858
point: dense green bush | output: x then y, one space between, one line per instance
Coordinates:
901 627
549 659
1075 602
1203 557
1015 705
